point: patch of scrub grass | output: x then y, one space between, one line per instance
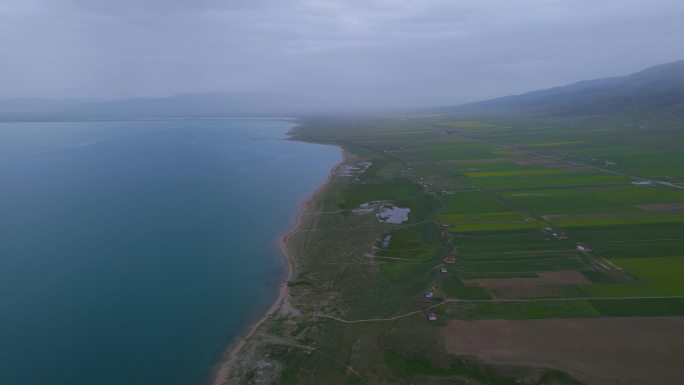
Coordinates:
418 243
374 170
395 274
422 207
295 361
356 194
400 192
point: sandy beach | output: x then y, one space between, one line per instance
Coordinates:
223 368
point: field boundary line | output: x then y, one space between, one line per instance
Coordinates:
320 315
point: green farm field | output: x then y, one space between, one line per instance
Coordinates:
509 220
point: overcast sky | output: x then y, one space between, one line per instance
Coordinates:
379 52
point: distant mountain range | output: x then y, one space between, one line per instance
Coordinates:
189 105
658 89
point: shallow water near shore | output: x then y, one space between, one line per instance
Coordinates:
135 252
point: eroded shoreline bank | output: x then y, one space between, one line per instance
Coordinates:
281 303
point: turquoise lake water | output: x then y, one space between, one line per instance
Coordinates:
134 252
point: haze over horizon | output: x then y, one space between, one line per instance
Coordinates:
378 53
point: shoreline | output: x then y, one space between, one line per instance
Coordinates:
222 368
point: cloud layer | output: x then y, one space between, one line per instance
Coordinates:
371 52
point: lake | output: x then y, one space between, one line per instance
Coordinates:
135 252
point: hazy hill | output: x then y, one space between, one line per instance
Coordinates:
658 88
11 106
189 105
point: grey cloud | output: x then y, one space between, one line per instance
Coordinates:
375 52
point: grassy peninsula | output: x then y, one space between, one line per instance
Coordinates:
541 247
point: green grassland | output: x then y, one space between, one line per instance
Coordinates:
654 269
589 200
470 202
372 192
505 173
510 201
655 276
564 180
